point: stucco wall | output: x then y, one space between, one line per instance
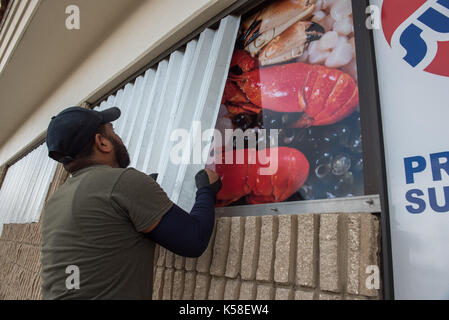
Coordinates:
147 32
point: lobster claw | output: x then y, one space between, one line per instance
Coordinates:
252 180
261 28
250 34
291 43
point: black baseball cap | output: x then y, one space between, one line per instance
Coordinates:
71 130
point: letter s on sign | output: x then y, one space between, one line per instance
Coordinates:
412 196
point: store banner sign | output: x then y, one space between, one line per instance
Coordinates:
412 51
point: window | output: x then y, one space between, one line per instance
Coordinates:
293 71
286 68
25 187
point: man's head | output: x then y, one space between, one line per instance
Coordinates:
79 138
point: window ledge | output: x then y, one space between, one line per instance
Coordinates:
364 204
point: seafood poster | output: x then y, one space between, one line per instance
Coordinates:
294 70
412 49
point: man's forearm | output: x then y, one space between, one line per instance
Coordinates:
187 234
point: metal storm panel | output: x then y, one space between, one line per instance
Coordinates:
179 93
25 187
206 109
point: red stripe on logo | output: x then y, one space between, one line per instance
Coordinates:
395 12
440 65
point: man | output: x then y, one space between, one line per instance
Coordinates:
100 228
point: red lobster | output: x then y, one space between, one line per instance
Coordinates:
323 95
248 179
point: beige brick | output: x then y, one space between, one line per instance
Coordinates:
27 235
37 285
202 286
329 279
283 294
179 262
189 285
7 232
22 254
155 257
21 231
305 256
283 263
247 290
250 248
267 238
158 283
36 260
235 248
232 289
303 295
29 257
190 264
2 250
13 251
31 286
15 233
221 247
369 242
353 263
161 258
178 285
168 284
204 261
217 288
36 232
329 296
169 259
264 292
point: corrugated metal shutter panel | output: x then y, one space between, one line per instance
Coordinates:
181 89
25 187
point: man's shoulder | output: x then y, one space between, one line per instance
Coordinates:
96 177
111 178
131 177
102 173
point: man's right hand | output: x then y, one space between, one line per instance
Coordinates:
208 178
213 176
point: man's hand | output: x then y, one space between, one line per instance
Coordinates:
213 176
208 178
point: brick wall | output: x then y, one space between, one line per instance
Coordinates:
20 262
271 257
276 257
20 252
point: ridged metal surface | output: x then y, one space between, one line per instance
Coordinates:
25 187
184 88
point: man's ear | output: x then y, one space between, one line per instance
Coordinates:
103 144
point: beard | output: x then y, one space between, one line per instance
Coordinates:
121 153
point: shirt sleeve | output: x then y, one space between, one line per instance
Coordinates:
141 198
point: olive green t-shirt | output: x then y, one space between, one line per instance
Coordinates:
92 231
